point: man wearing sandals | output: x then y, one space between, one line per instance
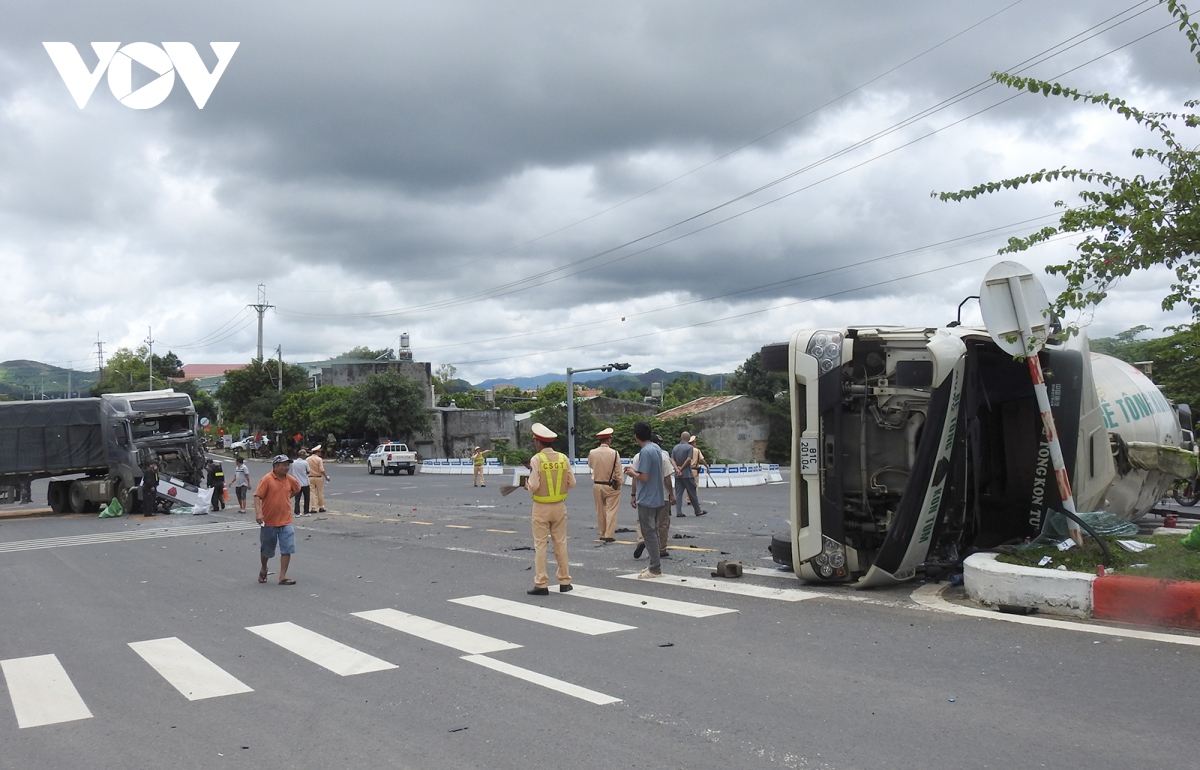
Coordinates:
273 512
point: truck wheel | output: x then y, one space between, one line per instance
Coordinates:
411 470
121 492
370 469
77 497
57 496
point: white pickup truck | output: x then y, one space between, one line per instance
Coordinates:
392 458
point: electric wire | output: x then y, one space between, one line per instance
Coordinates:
528 282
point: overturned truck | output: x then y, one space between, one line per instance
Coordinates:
912 447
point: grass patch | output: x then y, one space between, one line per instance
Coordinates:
1168 559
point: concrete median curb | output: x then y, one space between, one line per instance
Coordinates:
1122 598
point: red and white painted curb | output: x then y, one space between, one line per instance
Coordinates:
1123 598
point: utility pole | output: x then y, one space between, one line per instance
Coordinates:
261 307
70 365
150 357
279 351
99 355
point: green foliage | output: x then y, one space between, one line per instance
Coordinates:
509 455
442 377
470 399
251 395
204 403
667 430
554 417
636 395
1175 358
392 406
770 389
128 370
1167 560
365 353
687 388
1127 223
552 393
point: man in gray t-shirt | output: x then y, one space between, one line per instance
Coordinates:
651 494
685 478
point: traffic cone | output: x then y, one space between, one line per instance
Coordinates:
226 493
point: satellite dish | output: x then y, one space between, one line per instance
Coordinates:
1015 309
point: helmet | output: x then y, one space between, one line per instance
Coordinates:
280 459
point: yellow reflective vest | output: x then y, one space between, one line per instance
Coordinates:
554 473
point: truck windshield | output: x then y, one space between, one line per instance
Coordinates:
175 423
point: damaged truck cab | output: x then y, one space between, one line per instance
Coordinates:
913 446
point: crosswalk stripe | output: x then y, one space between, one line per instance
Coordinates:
114 537
770 572
439 633
549 682
544 615
41 692
647 602
325 652
743 589
194 675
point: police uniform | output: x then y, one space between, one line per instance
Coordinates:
605 463
550 477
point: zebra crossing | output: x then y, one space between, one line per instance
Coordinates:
42 693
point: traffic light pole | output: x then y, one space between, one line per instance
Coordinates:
571 401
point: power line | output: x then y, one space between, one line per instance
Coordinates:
535 280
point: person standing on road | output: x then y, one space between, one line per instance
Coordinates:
550 478
698 459
216 482
682 456
477 461
274 515
300 472
605 463
150 488
651 492
664 517
317 476
241 482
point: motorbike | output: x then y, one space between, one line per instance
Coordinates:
1186 492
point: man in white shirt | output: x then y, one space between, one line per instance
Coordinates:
299 470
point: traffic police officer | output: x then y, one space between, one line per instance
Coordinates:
607 478
550 477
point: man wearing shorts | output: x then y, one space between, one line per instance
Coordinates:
273 512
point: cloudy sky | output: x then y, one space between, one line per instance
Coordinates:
527 186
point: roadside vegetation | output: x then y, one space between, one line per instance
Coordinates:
1168 559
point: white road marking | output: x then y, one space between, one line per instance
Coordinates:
549 682
325 652
768 572
41 691
646 602
544 615
439 633
930 597
115 537
194 675
744 589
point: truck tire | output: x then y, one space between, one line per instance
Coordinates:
57 497
411 470
77 497
774 357
370 468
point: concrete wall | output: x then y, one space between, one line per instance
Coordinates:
738 430
608 409
456 432
345 375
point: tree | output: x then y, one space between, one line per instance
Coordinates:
687 388
1175 358
251 395
204 403
443 376
368 354
751 379
392 406
331 411
128 370
1128 223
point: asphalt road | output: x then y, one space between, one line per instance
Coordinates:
837 680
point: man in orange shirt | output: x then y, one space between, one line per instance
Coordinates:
273 512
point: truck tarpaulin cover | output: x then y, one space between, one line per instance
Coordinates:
57 436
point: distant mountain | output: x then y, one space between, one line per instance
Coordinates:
620 381
31 379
